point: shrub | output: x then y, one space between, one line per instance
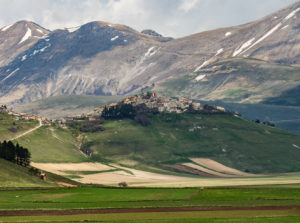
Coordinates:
92 126
143 119
123 184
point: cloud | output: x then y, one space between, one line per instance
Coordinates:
169 17
187 5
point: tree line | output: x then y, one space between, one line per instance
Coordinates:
14 153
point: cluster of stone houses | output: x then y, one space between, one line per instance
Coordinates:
147 102
22 115
157 103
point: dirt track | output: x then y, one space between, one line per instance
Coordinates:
140 210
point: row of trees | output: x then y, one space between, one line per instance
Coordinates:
14 153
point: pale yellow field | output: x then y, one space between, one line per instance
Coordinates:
211 164
205 170
59 168
113 174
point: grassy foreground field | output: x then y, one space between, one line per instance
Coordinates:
219 205
170 217
95 198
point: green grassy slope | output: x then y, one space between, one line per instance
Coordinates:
52 144
13 175
7 122
174 138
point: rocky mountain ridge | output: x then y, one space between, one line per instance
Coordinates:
100 58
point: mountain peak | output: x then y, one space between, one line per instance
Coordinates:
151 32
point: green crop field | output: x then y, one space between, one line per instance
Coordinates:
173 138
88 198
93 198
168 217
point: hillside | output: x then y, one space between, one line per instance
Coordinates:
147 130
53 144
100 58
10 127
174 139
13 175
235 80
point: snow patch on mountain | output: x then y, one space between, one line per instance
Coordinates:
24 57
292 14
26 36
40 50
200 77
228 34
114 38
150 52
294 145
264 37
11 74
6 27
219 51
202 65
40 31
244 46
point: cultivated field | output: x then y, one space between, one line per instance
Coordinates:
257 204
112 174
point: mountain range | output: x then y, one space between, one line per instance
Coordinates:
250 63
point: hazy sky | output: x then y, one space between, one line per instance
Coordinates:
174 18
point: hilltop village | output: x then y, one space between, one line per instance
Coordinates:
154 103
23 115
149 102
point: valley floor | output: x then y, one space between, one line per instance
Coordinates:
155 205
113 174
